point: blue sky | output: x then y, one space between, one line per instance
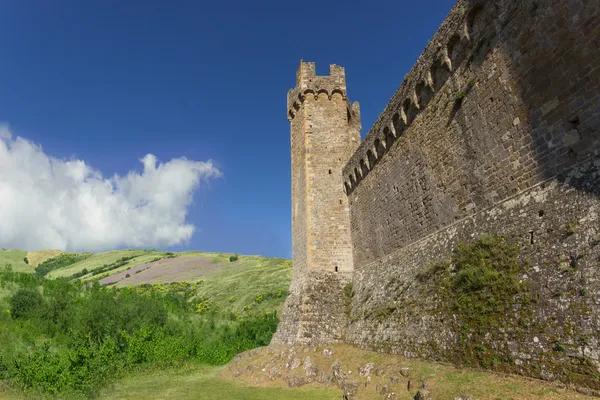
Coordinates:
108 82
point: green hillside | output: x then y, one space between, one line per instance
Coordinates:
141 310
15 258
97 260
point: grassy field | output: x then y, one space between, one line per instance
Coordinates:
35 258
206 384
100 259
199 383
240 287
16 259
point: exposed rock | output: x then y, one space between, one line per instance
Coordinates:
409 385
349 388
379 371
247 354
295 381
336 369
295 363
394 379
237 373
367 381
423 394
390 396
274 373
309 368
327 353
464 397
366 369
404 372
324 377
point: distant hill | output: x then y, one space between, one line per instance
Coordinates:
15 258
248 281
35 258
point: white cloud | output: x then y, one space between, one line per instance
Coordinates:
48 203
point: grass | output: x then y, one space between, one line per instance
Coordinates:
16 259
239 287
139 260
216 383
202 383
98 260
205 384
446 381
35 258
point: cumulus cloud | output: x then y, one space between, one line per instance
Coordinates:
49 203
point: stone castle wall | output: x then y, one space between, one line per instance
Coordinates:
520 106
552 328
489 148
496 130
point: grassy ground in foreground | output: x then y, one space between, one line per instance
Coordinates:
199 383
205 384
445 381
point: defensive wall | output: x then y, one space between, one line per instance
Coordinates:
494 131
488 154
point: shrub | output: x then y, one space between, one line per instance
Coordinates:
233 258
26 303
80 336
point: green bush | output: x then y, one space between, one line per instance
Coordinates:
26 303
69 337
233 258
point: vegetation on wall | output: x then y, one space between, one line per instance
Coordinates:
481 287
484 290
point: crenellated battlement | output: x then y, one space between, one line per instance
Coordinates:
309 84
460 38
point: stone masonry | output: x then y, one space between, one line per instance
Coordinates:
325 130
495 130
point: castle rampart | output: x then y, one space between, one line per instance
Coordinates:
517 105
492 140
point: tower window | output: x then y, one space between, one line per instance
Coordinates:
336 268
329 172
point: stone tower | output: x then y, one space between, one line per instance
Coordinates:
325 132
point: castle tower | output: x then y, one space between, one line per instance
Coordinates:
325 131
